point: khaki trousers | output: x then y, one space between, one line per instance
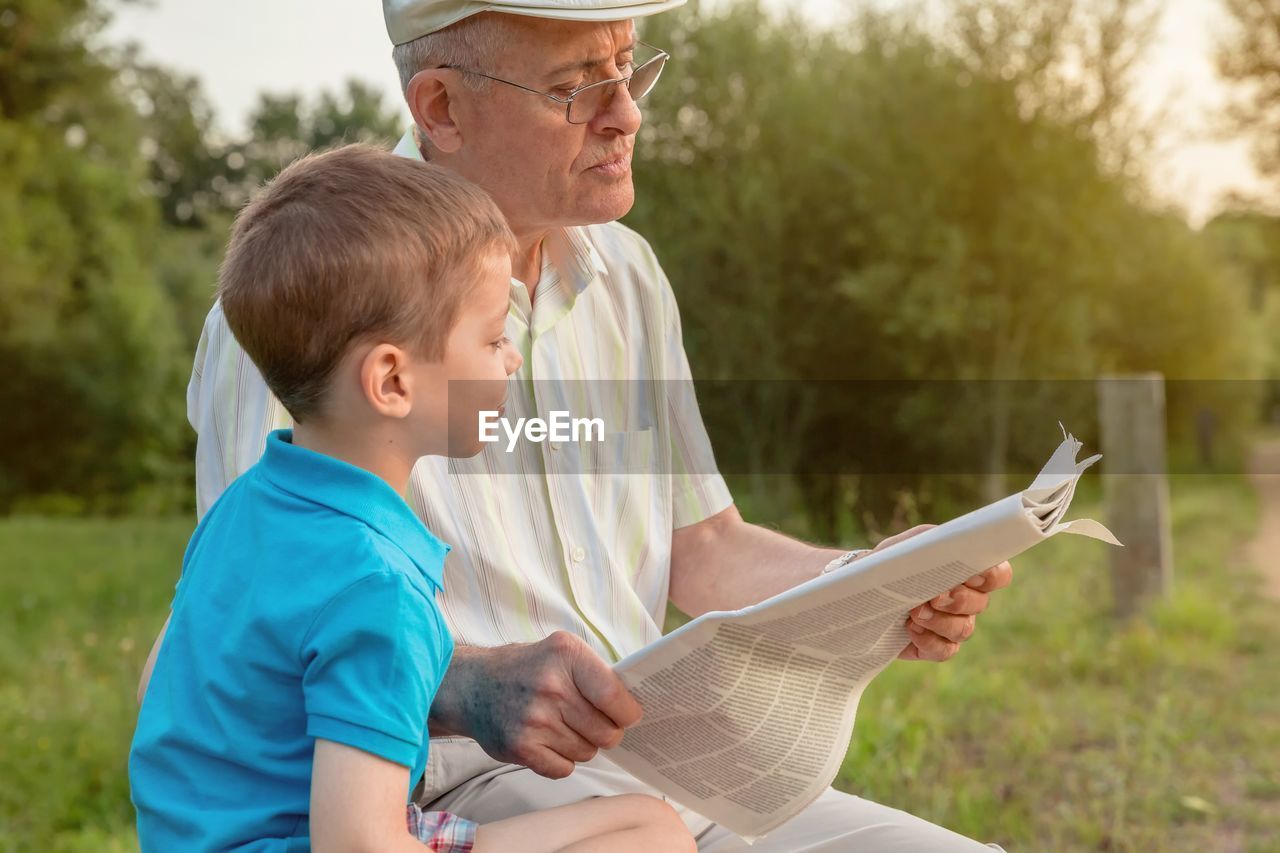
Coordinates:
462 779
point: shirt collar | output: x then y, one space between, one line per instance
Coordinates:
355 492
575 256
408 145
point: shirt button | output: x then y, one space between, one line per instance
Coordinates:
555 445
579 555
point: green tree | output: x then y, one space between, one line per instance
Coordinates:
188 169
914 204
1250 58
1247 243
85 337
282 128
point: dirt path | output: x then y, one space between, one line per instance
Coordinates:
1264 551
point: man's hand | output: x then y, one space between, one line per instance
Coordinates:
938 627
544 705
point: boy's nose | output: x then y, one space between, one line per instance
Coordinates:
514 360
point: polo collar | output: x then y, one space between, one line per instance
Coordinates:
355 492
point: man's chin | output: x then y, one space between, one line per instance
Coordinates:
607 207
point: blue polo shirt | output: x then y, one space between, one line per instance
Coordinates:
306 609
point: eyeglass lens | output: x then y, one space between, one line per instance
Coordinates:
588 103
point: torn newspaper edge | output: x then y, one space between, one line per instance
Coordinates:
748 714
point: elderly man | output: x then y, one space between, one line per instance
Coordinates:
559 567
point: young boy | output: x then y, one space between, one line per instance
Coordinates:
287 707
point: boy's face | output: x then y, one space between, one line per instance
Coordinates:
478 358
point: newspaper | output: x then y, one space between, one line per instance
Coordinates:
748 714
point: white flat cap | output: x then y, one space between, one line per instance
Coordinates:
409 19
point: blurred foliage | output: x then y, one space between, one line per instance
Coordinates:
116 196
198 177
186 169
911 199
1250 57
951 195
284 127
87 342
1248 245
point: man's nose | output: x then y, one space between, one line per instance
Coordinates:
620 113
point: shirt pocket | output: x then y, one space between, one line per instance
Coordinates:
624 484
621 454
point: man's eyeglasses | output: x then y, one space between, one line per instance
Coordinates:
586 102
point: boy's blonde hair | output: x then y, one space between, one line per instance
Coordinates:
351 245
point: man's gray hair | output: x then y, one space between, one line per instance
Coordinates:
471 43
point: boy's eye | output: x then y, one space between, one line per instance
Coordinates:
501 342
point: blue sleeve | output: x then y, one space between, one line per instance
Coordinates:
372 661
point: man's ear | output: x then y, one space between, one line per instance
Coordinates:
386 381
431 102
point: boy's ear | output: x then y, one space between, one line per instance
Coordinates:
431 102
386 381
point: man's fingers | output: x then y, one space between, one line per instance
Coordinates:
601 686
938 627
962 601
548 748
548 745
928 645
996 577
569 744
593 726
957 629
547 762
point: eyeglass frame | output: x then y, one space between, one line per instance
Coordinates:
567 100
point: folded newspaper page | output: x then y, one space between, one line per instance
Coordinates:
748 714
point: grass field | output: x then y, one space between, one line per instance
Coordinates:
83 601
1054 730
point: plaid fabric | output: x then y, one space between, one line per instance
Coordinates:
442 832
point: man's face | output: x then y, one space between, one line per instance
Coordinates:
543 171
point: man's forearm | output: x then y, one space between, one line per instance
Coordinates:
725 563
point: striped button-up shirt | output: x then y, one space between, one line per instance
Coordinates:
550 536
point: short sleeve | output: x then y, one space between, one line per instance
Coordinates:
372 661
698 491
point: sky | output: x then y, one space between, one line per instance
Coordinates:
238 48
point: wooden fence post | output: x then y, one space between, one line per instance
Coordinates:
1132 417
